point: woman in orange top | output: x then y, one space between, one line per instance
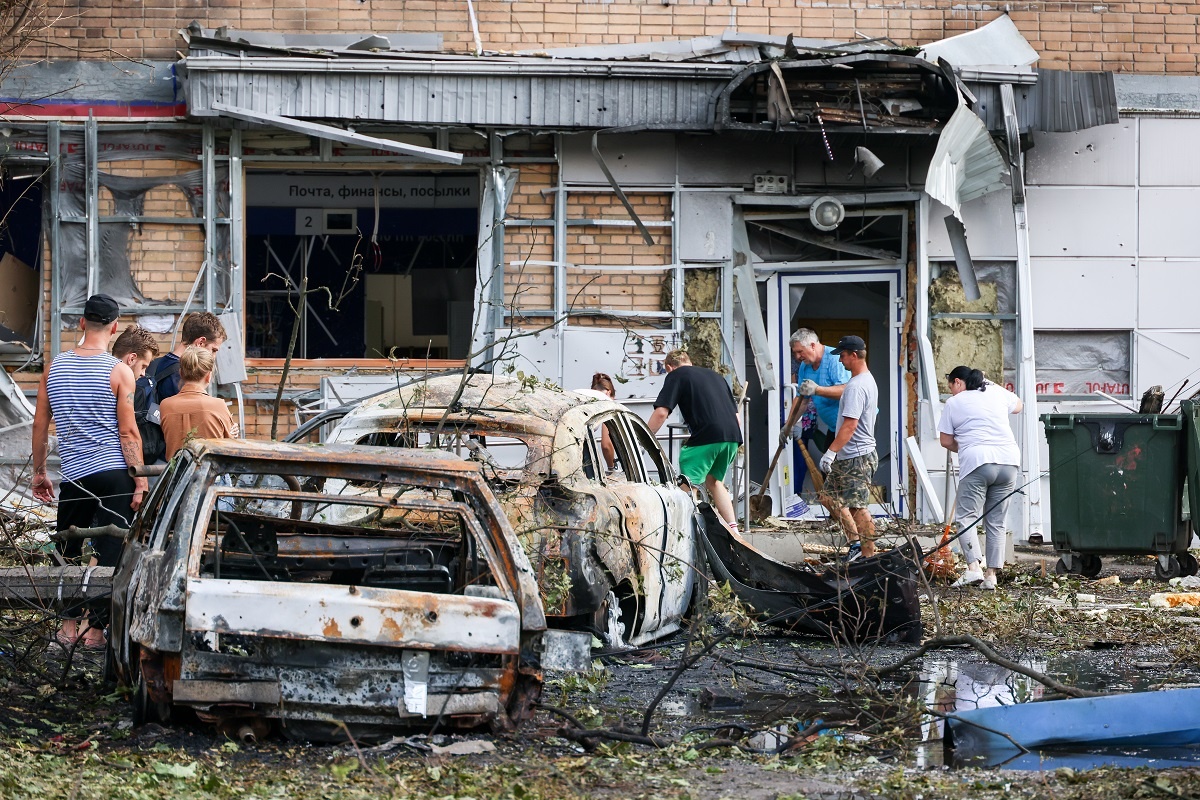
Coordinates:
194 413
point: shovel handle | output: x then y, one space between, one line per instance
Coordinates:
792 416
817 478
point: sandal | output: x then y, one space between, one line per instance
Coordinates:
93 638
68 634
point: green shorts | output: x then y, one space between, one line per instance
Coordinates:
699 461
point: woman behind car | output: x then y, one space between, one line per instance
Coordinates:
975 425
194 413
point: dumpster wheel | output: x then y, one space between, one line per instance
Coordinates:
1173 569
1086 564
1189 563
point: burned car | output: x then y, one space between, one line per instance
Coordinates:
329 586
613 544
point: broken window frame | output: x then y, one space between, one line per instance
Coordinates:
1006 319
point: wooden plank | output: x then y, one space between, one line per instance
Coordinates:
53 587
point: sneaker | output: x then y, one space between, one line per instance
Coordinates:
853 552
970 578
989 583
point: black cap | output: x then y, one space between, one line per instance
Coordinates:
852 343
101 308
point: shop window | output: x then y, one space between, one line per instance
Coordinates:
391 276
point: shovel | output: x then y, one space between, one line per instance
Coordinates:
819 484
760 504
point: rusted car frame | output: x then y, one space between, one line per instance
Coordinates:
250 591
614 550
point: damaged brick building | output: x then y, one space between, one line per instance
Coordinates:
611 179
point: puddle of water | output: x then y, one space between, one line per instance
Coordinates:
950 686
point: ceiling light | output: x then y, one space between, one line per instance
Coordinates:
826 213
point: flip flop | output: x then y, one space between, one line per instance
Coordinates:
68 639
93 638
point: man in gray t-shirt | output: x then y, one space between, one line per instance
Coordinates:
850 460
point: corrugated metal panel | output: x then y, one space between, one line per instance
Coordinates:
1060 101
966 164
393 96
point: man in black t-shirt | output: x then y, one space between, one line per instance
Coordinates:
710 412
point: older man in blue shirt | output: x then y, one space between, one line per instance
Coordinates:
820 376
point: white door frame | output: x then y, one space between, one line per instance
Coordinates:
782 277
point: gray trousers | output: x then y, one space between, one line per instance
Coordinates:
987 489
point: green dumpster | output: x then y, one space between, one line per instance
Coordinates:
1116 488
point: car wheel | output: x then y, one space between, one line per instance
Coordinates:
146 708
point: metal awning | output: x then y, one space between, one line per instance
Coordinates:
502 92
337 134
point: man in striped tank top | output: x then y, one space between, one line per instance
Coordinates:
89 394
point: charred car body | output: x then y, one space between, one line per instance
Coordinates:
613 545
327 586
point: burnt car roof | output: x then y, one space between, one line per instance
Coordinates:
402 458
536 409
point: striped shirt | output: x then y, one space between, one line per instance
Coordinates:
85 413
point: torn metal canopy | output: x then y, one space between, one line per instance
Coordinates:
967 164
337 134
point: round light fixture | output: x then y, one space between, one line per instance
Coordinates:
826 213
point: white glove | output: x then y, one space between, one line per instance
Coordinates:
807 388
827 461
787 434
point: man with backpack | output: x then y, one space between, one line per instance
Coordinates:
201 329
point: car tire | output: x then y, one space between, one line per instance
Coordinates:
145 708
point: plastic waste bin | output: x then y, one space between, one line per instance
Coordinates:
1116 488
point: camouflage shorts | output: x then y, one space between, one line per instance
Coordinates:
849 480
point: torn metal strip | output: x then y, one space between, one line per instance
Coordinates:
1026 364
962 256
337 134
646 237
747 296
829 242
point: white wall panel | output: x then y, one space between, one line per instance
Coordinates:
1102 156
705 226
1168 152
635 159
1082 221
1084 293
1167 223
1165 358
1167 294
991 233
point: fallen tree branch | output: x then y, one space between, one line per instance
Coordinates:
991 655
956 718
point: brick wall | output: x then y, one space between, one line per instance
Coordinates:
1124 37
530 286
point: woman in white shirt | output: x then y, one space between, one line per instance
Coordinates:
975 425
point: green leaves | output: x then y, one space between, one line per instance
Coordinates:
168 769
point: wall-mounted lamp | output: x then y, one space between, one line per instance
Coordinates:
826 213
870 162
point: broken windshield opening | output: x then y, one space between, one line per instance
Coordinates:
502 457
397 537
